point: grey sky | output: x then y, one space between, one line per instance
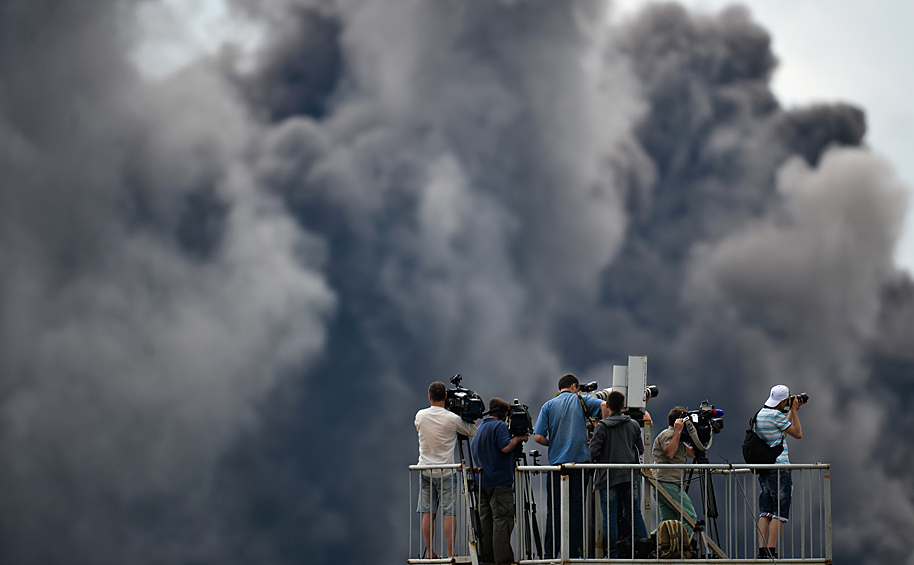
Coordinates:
843 50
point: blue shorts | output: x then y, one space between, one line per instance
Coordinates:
774 498
435 491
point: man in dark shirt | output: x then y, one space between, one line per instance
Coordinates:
492 451
617 439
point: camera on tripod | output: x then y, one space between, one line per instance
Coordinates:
463 401
632 377
518 420
707 420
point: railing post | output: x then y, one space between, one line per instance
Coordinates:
826 480
519 506
565 533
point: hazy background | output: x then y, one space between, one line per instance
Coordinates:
237 241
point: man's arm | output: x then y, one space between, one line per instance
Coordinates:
795 430
466 428
671 448
542 440
513 443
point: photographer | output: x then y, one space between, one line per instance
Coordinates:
493 449
669 449
562 427
617 439
772 425
438 429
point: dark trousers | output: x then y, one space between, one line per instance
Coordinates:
576 485
621 503
496 512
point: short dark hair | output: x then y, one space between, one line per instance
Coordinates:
675 414
567 380
615 401
437 391
498 407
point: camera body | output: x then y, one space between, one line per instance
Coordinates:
463 401
802 398
707 420
518 420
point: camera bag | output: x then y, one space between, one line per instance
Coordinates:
756 450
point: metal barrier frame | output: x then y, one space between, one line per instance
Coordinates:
726 553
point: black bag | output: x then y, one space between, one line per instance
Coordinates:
756 450
644 548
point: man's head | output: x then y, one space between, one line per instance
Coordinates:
437 392
675 414
567 381
498 408
779 394
615 401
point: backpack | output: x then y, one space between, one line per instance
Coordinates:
756 450
672 542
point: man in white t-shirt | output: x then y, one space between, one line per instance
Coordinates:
438 429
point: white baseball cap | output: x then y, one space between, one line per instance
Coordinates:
778 393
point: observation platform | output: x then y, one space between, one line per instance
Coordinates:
725 498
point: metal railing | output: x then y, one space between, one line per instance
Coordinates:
725 500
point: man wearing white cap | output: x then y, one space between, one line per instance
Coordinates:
773 425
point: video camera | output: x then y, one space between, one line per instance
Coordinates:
464 402
705 421
518 420
632 377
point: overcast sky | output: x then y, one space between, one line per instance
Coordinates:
844 50
836 50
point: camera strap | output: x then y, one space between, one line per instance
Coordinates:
589 421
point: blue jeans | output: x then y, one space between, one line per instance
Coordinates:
774 498
623 497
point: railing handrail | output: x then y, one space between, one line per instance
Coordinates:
713 466
433 467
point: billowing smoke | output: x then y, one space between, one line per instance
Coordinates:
225 291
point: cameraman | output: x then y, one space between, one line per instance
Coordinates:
617 439
493 449
562 427
772 425
668 449
438 429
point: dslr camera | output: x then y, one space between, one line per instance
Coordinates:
802 398
463 401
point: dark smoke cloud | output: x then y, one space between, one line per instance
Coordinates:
225 292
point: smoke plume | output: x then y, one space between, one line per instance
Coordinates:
224 292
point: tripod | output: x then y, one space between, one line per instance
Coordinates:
708 506
466 454
529 505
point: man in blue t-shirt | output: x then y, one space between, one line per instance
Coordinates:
772 425
493 451
562 427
